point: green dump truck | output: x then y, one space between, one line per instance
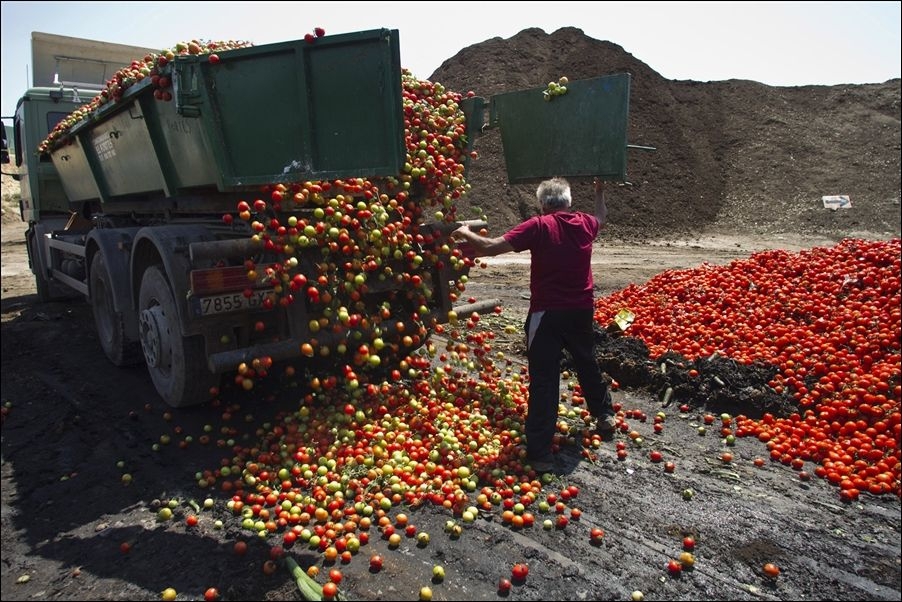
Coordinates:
224 209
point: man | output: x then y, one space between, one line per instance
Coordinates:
561 309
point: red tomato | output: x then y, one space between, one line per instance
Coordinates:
520 571
270 567
596 535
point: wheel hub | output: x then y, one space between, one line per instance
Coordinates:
155 336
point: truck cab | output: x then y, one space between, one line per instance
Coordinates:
66 73
43 205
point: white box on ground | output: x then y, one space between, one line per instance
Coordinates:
837 201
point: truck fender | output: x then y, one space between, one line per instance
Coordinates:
115 245
168 245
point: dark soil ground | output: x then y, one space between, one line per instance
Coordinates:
740 167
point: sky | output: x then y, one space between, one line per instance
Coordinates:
775 43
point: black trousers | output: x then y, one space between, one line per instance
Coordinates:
548 333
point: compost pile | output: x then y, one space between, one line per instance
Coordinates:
731 156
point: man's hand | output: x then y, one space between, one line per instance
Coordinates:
462 233
483 245
601 207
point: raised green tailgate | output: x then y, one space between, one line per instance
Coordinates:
580 133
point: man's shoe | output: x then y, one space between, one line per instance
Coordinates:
606 426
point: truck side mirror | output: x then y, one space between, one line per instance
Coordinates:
4 152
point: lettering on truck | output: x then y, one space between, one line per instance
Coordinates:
104 148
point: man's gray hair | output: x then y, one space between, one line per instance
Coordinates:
554 194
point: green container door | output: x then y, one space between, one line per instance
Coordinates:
71 164
297 111
123 154
580 133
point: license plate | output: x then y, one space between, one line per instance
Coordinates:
229 303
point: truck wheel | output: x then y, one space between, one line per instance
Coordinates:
110 329
177 364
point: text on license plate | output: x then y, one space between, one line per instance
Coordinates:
230 302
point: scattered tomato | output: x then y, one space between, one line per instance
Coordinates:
270 567
771 570
520 571
596 535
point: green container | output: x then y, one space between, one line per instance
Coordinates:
294 111
279 113
580 133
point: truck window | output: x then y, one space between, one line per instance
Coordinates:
53 118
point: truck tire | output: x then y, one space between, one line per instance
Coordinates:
108 322
177 364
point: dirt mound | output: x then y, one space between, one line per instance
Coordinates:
726 386
731 156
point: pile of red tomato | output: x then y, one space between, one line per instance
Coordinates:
828 318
